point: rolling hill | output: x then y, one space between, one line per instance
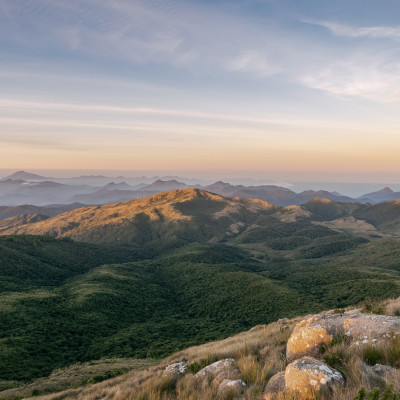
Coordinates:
177 217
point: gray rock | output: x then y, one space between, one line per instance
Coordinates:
309 376
275 386
215 368
176 369
384 370
230 387
283 321
231 374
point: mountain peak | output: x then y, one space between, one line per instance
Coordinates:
385 190
166 182
23 175
221 183
180 194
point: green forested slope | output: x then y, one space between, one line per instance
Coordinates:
151 308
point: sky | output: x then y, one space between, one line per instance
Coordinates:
284 89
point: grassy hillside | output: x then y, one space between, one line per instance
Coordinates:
166 220
172 219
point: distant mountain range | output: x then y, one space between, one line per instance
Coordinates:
18 192
27 188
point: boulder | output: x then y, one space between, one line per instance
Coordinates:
319 330
230 387
275 386
307 341
176 369
231 374
215 368
384 370
371 328
308 376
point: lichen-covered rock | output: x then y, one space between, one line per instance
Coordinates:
215 368
371 328
309 376
318 330
230 387
307 341
176 369
231 374
275 386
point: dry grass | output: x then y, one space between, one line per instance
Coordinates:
392 307
260 353
75 376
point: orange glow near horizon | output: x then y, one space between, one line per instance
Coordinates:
296 156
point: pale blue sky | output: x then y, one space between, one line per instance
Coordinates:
275 87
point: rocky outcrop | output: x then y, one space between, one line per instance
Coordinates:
230 387
176 369
275 386
231 374
215 368
309 376
371 328
319 330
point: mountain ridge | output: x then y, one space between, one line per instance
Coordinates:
154 215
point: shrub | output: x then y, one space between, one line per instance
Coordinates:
373 355
374 394
194 367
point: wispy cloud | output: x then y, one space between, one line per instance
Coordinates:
357 82
110 110
337 29
193 35
255 61
205 39
40 142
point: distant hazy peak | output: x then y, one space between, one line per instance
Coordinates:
21 175
385 190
